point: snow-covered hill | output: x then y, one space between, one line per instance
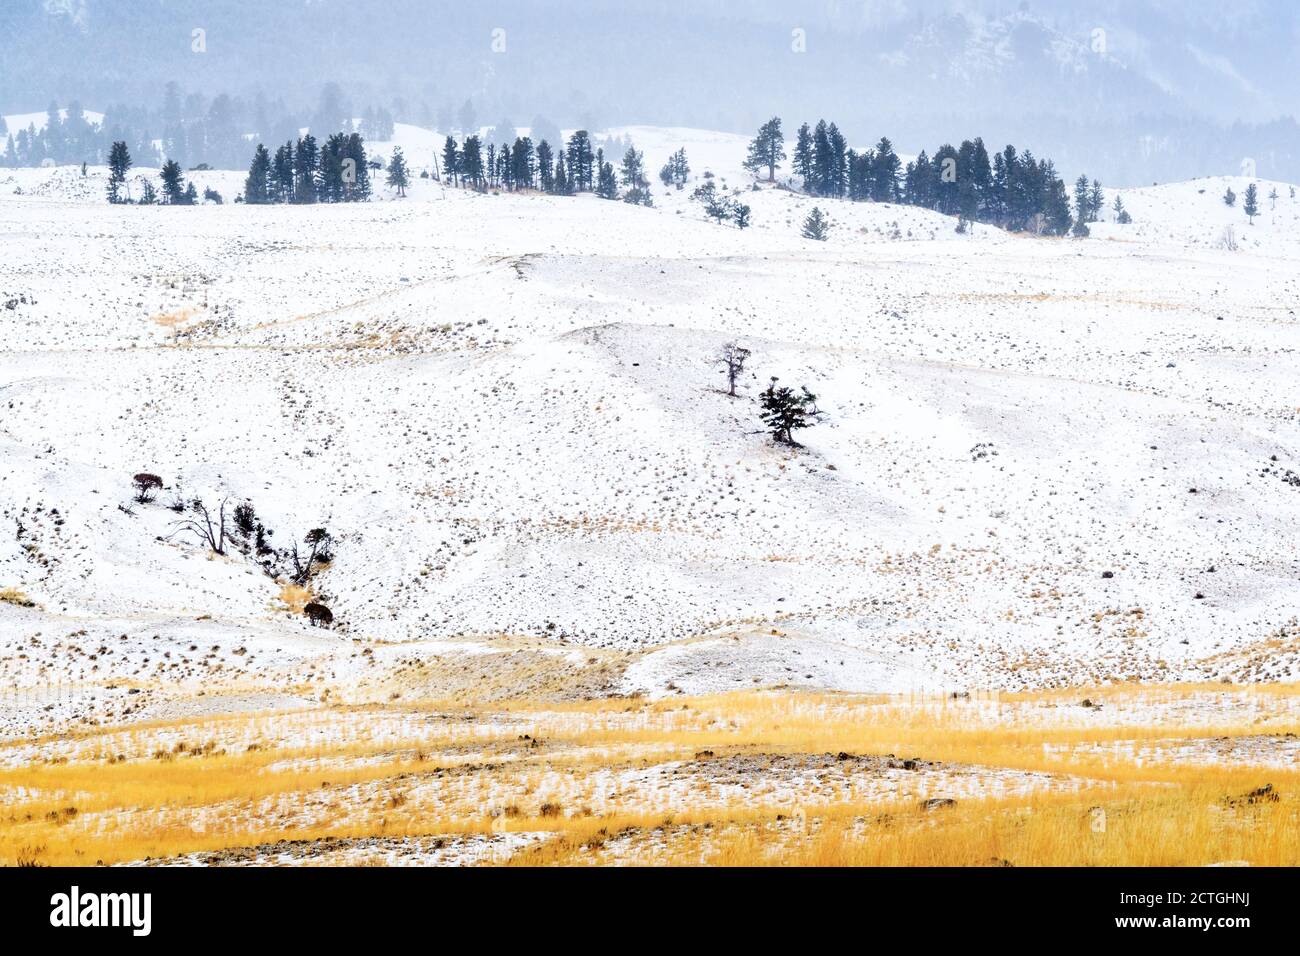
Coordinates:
1044 461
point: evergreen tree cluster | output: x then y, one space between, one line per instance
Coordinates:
302 172
1010 189
576 166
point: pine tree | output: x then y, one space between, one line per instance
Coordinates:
884 172
148 195
282 174
398 177
815 226
306 159
257 186
633 170
545 167
1251 206
581 162
11 152
329 170
740 215
1082 200
1121 214
784 411
450 160
471 162
191 194
359 189
561 177
173 182
767 149
119 161
803 155
1096 201
607 182
523 163
1229 197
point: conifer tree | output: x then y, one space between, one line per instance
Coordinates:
119 161
359 189
523 163
1082 199
607 181
1229 197
561 176
784 411
450 160
884 172
329 170
282 174
803 155
148 195
1121 214
471 162
767 149
257 187
1251 206
173 182
1097 201
398 177
815 226
633 169
306 158
545 167
581 162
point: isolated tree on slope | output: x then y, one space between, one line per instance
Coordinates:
1121 214
815 226
119 161
1229 197
732 357
398 177
1251 205
784 411
767 149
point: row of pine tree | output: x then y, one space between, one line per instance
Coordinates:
1011 189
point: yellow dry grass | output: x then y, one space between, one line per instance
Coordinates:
15 597
1154 775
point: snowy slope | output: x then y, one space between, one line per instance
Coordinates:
505 408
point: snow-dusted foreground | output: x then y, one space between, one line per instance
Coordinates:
1044 461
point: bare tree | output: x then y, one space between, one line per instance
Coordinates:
321 543
201 524
732 358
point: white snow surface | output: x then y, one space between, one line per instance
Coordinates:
505 408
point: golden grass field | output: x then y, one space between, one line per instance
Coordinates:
1163 775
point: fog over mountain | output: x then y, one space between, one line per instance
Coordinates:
1130 91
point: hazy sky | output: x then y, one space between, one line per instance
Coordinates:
1086 80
